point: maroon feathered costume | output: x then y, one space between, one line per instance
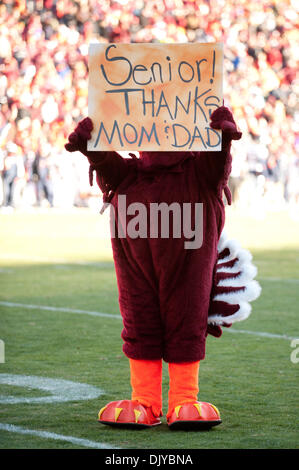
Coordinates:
171 297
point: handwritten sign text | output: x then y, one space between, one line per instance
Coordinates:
154 96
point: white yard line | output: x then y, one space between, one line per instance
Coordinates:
60 309
118 317
279 279
85 442
260 333
58 437
59 390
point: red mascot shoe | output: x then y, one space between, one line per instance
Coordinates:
194 416
128 413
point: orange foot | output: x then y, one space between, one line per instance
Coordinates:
194 416
128 413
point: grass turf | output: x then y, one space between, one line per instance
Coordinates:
62 260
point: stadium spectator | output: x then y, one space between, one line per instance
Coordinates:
44 75
41 178
13 169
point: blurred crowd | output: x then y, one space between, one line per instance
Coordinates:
44 85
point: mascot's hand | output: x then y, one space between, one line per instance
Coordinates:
223 120
216 330
77 140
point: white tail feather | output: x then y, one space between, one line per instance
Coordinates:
247 273
242 264
241 314
249 294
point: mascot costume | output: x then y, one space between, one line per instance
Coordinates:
171 297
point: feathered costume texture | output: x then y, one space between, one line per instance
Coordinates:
171 298
234 286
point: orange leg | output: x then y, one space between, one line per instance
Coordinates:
146 382
183 384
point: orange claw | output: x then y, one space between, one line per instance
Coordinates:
198 415
128 413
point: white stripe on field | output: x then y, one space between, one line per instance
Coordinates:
60 309
260 333
118 317
58 437
279 279
60 390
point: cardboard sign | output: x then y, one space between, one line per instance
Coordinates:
154 97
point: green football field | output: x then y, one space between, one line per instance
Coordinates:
61 354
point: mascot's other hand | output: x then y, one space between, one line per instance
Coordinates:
216 330
223 120
77 140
